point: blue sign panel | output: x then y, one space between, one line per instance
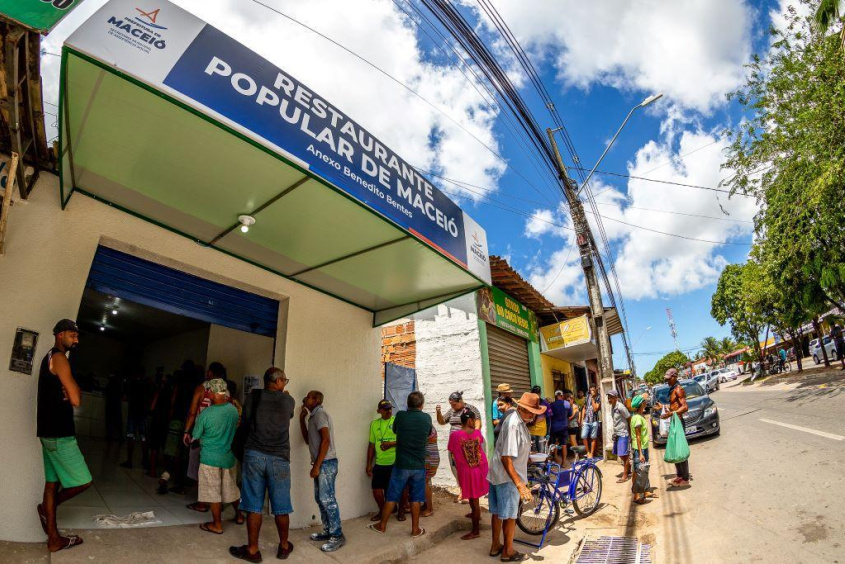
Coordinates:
230 79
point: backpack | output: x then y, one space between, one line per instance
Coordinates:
247 425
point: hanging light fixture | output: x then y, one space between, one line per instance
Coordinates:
246 221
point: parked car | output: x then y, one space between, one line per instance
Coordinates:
726 374
701 420
816 349
709 380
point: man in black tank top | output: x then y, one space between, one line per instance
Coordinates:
65 472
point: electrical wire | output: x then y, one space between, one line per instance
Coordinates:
655 180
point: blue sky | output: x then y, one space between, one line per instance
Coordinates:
597 59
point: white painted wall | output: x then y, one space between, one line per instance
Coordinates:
449 360
330 345
241 353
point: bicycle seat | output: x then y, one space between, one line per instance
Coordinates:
580 449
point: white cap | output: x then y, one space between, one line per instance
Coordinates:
558 393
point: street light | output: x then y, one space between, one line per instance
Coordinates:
650 100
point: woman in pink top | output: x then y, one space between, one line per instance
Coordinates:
467 448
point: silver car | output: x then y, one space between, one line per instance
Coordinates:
709 381
829 346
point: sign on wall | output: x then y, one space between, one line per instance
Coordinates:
177 53
37 15
576 331
499 309
23 350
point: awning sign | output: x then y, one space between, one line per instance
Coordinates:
173 51
499 309
37 15
576 331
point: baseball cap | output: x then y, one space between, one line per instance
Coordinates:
217 386
384 404
65 325
613 393
558 393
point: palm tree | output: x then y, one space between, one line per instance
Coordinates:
829 12
727 346
711 348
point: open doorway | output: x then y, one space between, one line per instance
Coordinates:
138 365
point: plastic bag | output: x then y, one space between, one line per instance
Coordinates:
663 424
677 448
641 481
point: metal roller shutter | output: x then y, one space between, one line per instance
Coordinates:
144 282
508 360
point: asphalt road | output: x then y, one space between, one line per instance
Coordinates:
769 489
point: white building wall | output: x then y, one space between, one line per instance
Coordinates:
449 360
330 345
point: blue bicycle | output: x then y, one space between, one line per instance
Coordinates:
554 488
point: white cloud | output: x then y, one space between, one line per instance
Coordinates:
691 50
540 223
377 31
650 264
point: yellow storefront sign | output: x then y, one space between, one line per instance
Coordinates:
570 332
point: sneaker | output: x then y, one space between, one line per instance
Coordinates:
320 536
334 544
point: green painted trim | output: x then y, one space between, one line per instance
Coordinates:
260 147
225 252
535 366
488 388
62 99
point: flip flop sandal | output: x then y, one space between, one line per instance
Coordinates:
372 527
42 517
515 557
497 552
193 507
376 518
401 518
205 528
242 552
421 533
72 540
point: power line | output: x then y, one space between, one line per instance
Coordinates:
679 213
391 77
655 180
675 234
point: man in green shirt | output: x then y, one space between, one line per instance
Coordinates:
412 429
382 450
214 429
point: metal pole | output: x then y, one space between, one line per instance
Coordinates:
606 149
584 239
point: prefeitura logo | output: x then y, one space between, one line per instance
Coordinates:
142 31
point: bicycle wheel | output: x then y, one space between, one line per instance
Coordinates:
537 515
587 493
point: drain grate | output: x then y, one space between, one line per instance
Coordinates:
613 550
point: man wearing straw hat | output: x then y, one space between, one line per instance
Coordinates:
505 391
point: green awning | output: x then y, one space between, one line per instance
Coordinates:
151 154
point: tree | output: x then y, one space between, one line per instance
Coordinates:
736 303
789 152
727 346
711 349
828 12
674 359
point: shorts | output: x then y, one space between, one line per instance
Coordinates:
381 477
264 473
217 485
64 463
590 430
136 427
413 479
503 500
173 442
620 445
559 437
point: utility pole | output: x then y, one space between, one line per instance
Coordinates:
672 328
584 239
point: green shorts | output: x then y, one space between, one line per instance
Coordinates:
63 462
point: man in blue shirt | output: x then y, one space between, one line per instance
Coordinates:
559 433
505 391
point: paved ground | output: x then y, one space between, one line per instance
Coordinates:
761 492
768 489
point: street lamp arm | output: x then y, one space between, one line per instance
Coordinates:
651 99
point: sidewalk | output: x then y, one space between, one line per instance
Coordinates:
189 544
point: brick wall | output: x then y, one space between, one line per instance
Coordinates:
399 345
